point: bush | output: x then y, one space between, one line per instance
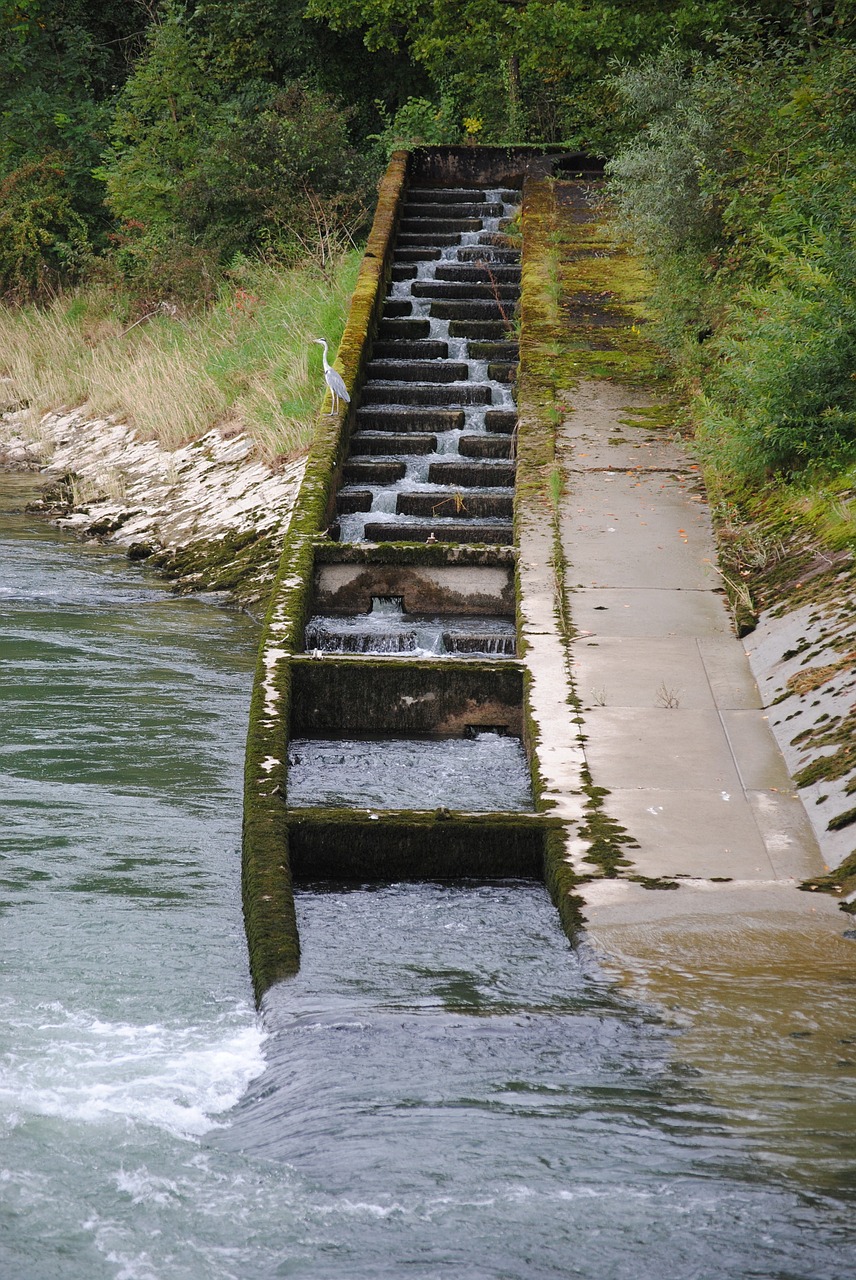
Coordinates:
415 123
738 187
43 239
201 169
789 376
159 265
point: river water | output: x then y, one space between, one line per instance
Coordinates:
446 1090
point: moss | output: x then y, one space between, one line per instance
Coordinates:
241 563
608 841
361 846
428 696
841 882
436 555
843 820
828 767
563 883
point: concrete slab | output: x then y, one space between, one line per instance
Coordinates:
614 671
637 530
638 612
639 747
561 759
729 675
756 754
692 832
609 430
787 832
618 909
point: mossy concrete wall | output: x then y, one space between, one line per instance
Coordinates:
271 925
376 695
444 845
467 166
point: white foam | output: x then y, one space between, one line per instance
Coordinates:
84 1068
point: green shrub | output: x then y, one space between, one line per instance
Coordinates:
789 374
739 186
418 121
43 239
201 169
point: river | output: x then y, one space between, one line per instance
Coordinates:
447 1089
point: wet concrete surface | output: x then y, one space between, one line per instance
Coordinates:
672 722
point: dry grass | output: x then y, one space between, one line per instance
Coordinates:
248 360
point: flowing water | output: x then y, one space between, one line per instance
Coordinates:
484 774
445 1090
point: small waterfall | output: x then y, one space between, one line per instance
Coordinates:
387 605
386 628
480 643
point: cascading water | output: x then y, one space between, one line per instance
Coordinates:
477 392
388 629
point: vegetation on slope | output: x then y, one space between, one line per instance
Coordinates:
245 362
740 186
164 155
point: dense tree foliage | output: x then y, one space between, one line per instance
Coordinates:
169 141
740 185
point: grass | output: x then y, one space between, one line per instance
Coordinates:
247 363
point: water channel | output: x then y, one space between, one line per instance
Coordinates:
445 1090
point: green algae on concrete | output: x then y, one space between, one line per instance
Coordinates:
366 845
379 695
597 845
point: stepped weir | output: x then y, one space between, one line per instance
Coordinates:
389 735
498 645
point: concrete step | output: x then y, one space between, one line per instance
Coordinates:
431 226
419 350
373 472
447 195
351 500
497 240
389 445
396 308
509 351
464 289
502 371
409 419
425 393
500 421
434 239
478 309
479 329
408 328
488 642
490 445
488 253
464 209
472 531
444 505
462 272
403 271
417 371
423 254
477 475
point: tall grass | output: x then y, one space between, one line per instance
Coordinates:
248 362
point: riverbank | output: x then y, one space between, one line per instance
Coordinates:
210 515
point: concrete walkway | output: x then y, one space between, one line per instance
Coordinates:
673 721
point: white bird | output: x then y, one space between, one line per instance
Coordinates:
338 390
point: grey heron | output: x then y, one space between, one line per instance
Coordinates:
338 390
